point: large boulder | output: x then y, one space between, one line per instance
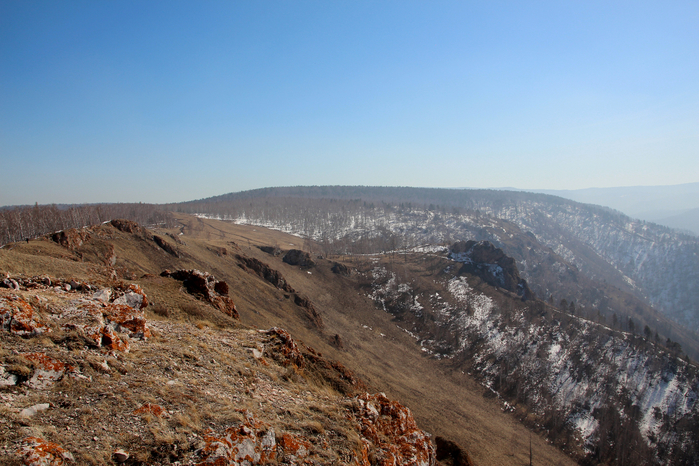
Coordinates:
298 257
71 238
205 286
18 316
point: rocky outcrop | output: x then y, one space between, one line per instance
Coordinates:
71 238
205 286
390 433
310 311
126 226
341 269
17 316
250 443
491 264
75 319
165 246
298 257
264 271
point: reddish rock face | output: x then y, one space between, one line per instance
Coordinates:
35 451
18 317
293 448
393 436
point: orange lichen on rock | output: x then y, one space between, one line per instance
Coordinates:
293 448
36 451
393 433
250 443
148 408
127 317
286 348
18 317
111 341
47 370
85 317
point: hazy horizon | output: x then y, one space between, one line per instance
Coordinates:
173 101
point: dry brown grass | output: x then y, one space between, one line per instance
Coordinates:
213 374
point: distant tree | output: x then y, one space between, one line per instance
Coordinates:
647 332
571 307
632 326
615 320
563 305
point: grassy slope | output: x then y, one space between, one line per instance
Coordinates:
444 403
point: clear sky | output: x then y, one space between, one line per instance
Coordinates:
119 101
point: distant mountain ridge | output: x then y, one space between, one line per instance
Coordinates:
658 264
675 206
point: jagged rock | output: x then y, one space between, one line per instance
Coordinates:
250 443
127 226
10 283
264 271
135 297
71 238
448 450
341 269
122 317
18 317
103 295
7 379
293 448
35 451
284 349
298 257
489 263
206 286
391 432
165 246
33 410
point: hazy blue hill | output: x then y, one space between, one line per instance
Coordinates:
675 206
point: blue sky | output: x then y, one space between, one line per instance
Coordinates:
118 101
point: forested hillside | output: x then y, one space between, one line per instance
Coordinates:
590 255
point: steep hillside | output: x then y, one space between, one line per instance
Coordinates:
611 267
201 365
603 395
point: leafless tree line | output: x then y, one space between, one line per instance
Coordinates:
24 222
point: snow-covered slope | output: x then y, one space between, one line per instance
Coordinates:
616 396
